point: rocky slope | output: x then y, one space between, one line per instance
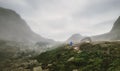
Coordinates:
116 26
102 56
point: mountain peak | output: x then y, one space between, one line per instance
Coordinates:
75 38
76 35
116 26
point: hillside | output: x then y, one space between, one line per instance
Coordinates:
114 34
6 51
102 56
17 39
14 28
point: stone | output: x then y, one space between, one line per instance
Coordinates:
75 70
39 68
76 48
70 59
49 65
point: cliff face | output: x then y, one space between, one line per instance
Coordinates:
14 28
116 30
116 26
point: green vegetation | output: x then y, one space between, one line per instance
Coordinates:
6 51
103 56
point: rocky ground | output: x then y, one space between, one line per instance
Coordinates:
102 56
20 64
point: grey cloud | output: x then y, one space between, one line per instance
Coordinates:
99 8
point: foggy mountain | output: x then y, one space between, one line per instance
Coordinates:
14 28
75 38
114 34
116 26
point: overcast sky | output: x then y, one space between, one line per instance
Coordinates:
59 19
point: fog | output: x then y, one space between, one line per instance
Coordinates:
58 20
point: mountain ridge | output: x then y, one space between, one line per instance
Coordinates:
113 34
116 26
14 28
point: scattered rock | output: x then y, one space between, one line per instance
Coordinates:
76 48
39 68
49 65
75 70
79 51
70 59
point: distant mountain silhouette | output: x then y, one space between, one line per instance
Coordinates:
116 26
14 28
114 34
75 38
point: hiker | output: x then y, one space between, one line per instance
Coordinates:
71 43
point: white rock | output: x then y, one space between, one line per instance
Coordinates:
39 68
